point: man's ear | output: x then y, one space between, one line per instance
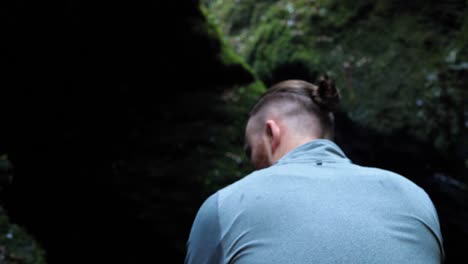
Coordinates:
273 132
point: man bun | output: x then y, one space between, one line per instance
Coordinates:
326 95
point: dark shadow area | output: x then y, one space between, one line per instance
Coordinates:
109 107
294 70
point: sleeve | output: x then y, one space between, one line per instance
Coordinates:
430 232
434 227
204 243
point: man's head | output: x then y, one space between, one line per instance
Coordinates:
287 115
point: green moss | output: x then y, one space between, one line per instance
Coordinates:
226 56
228 161
380 54
214 149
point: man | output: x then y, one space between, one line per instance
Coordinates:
306 202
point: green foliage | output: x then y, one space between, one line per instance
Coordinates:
442 104
16 246
265 57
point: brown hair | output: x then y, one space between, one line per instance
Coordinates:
320 100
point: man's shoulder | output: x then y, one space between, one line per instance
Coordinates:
243 183
414 198
251 183
399 185
388 176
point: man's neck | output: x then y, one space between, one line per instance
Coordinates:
291 144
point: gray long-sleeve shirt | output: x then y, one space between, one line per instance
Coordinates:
315 206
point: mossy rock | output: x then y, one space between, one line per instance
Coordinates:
400 65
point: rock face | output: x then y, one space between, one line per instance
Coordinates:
395 70
121 118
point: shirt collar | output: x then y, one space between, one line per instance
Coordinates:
316 150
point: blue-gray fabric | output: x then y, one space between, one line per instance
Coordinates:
315 206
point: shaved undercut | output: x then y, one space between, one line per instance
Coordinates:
305 107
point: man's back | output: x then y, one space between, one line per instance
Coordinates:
315 206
